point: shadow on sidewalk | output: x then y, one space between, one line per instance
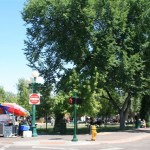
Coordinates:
140 130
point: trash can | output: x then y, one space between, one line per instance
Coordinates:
138 123
23 128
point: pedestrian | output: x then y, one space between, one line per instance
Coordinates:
52 121
143 123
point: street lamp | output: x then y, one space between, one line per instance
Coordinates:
36 80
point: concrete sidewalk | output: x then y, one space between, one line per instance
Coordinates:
102 137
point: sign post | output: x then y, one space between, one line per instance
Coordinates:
34 99
75 120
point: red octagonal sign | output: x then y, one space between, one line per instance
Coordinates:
34 98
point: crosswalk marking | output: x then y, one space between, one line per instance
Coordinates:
44 147
113 148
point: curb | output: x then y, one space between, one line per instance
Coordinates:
102 138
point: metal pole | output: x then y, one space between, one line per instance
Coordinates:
34 130
75 120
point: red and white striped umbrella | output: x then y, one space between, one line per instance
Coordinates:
15 109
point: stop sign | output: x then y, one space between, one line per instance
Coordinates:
34 98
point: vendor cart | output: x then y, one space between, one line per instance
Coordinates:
7 128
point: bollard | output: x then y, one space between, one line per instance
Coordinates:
94 133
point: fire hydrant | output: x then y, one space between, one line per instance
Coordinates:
94 133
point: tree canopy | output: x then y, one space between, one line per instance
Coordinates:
105 41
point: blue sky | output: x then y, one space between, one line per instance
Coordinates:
13 64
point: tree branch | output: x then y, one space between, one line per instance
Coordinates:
112 100
125 105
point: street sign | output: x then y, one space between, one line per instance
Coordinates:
34 98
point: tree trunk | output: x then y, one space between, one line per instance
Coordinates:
123 117
60 124
124 111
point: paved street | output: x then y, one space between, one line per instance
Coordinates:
131 140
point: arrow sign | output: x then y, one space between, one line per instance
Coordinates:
34 99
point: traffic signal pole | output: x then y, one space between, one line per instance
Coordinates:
75 120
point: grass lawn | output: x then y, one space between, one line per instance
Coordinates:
81 129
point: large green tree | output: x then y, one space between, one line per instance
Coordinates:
105 40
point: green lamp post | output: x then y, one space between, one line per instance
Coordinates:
35 74
36 80
75 120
